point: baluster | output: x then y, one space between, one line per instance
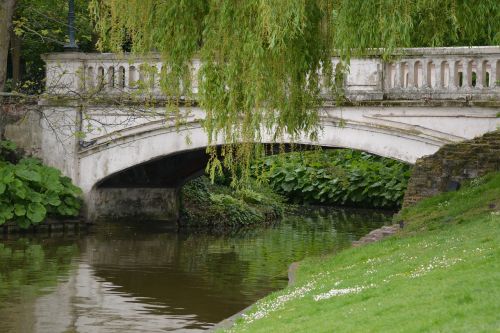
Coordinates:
411 74
196 68
398 79
480 71
127 77
157 87
466 74
494 74
426 73
438 82
387 75
453 75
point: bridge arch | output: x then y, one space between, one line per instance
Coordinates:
133 148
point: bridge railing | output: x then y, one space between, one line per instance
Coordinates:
443 73
415 73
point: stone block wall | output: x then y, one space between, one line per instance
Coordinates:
11 111
452 164
157 204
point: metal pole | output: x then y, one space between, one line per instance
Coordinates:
71 27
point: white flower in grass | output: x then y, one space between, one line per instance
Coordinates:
342 291
264 308
436 262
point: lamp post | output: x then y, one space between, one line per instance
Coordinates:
71 27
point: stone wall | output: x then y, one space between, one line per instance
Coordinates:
20 123
453 164
13 109
158 204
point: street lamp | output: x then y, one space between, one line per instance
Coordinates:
71 27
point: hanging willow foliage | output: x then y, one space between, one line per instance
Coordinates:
262 60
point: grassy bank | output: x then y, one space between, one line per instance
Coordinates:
441 274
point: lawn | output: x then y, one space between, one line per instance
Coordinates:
440 274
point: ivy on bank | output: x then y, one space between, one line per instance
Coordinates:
31 191
338 177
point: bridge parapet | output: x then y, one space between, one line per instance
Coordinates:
414 73
444 73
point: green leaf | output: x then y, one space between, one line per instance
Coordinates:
6 174
6 211
18 188
35 196
19 210
36 212
28 175
52 198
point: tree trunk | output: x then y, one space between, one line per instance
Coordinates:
6 13
15 53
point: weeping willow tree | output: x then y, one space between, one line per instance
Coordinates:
263 60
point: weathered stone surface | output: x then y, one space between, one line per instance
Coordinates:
159 204
453 163
22 126
412 74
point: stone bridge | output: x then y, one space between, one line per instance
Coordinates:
130 159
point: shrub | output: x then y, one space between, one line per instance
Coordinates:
217 205
31 191
337 177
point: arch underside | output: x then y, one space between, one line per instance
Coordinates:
165 150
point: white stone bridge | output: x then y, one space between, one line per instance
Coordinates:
130 159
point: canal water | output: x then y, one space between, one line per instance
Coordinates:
146 277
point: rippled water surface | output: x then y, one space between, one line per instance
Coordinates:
146 277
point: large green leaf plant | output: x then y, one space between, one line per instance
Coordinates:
338 177
31 191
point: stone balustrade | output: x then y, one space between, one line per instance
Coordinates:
415 73
443 73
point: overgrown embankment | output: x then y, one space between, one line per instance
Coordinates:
219 206
30 191
440 274
453 164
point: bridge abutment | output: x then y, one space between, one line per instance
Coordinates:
159 204
452 165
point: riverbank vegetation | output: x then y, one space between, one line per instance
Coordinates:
440 273
30 191
341 177
217 205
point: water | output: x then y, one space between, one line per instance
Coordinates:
146 277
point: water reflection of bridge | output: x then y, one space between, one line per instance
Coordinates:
140 278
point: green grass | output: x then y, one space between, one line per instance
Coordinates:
441 274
